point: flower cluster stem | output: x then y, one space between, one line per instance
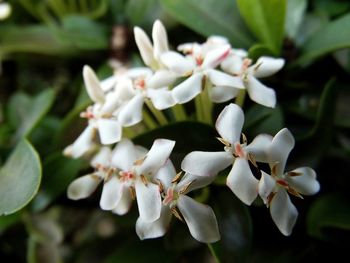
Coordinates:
149 121
213 253
240 98
199 108
179 112
159 115
207 105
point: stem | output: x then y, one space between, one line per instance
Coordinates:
179 112
159 115
148 120
240 97
128 132
207 104
199 108
213 253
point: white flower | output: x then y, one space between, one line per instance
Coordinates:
101 117
200 218
238 65
274 189
240 179
151 53
137 177
5 10
199 65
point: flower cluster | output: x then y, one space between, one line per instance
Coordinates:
133 99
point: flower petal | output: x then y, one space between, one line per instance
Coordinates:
110 131
188 89
157 156
139 72
108 83
111 193
166 174
306 182
267 66
160 39
148 201
258 148
214 57
177 63
83 187
232 64
242 182
283 212
103 157
83 143
266 186
200 219
219 78
124 155
125 201
145 46
92 85
131 113
219 94
161 98
156 228
260 93
5 10
192 182
230 122
206 163
281 145
161 78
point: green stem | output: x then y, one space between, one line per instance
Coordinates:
159 115
207 105
129 132
179 112
148 120
240 97
199 108
213 253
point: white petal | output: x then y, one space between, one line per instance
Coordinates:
156 228
108 83
83 186
124 89
266 185
230 122
145 46
161 78
124 155
188 89
139 72
196 182
267 66
200 219
281 145
111 193
217 40
5 10
166 174
260 93
160 39
161 98
305 183
206 163
92 85
258 148
219 94
283 212
242 182
83 143
110 131
148 201
125 201
131 113
177 63
111 103
214 57
103 157
157 156
219 78
232 64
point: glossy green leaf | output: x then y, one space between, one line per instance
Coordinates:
8 221
259 50
142 12
327 215
25 112
19 178
334 36
265 18
208 17
294 16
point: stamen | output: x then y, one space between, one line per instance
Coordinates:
186 186
177 177
169 196
177 214
239 151
132 192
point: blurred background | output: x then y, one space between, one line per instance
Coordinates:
45 43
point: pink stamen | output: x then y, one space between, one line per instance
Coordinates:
199 60
246 63
126 176
140 84
239 151
282 182
169 196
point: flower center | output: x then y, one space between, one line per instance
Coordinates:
126 176
199 60
140 83
239 150
88 114
170 197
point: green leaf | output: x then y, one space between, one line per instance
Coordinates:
265 18
58 173
334 36
210 17
138 12
328 215
259 50
8 221
294 17
25 112
19 178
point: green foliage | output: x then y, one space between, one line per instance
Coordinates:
20 178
